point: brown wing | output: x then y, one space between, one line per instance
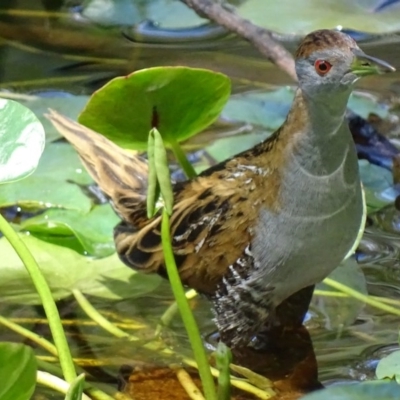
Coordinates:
120 174
209 232
210 219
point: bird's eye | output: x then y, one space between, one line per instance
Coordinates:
322 67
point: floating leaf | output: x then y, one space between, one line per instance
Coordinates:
357 391
111 12
178 101
64 269
59 181
268 109
21 141
378 184
94 230
17 371
281 16
309 15
389 367
63 102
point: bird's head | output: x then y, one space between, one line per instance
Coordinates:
329 62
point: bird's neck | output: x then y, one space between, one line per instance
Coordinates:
316 131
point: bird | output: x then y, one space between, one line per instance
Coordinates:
256 228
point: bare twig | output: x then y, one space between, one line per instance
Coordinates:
261 38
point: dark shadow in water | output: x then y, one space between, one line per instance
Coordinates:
285 353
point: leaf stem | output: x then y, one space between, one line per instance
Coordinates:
170 312
182 160
264 394
46 297
223 359
93 314
55 383
184 308
362 297
34 337
107 393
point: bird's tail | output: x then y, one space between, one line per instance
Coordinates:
121 175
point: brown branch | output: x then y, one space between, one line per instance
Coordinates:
261 38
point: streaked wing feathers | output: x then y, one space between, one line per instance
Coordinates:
206 212
121 175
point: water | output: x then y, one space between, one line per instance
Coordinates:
65 54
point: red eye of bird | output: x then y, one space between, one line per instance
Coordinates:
322 67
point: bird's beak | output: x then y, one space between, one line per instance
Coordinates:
366 65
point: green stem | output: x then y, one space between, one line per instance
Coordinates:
223 359
50 308
55 383
186 313
327 293
107 393
183 161
170 312
264 394
92 313
362 297
34 337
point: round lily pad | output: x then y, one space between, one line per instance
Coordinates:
178 101
22 140
359 391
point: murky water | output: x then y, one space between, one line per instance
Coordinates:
64 53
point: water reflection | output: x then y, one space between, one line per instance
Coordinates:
65 52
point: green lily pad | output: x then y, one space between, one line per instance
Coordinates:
65 270
376 181
68 105
17 371
309 15
171 14
365 104
111 12
269 109
261 108
358 391
58 181
178 101
389 367
281 16
94 230
342 311
21 141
